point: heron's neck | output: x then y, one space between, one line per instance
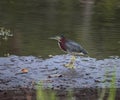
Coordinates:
62 44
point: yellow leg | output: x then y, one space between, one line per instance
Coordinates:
71 63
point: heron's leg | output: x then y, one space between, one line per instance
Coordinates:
71 63
73 59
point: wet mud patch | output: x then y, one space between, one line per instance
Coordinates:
76 94
27 71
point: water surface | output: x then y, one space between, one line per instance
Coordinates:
92 23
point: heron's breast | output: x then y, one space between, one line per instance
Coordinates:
62 46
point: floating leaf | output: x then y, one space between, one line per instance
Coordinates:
24 70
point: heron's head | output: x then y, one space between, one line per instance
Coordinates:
58 38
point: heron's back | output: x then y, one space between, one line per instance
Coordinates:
72 46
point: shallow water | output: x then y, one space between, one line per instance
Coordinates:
92 23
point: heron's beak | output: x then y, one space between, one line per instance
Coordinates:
55 38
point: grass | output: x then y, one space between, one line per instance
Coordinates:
112 89
112 92
43 94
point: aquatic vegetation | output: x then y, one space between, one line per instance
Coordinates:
112 90
43 94
5 33
5 38
49 94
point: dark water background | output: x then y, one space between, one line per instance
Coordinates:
95 24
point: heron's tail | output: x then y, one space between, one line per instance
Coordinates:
84 52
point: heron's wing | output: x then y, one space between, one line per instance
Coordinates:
74 47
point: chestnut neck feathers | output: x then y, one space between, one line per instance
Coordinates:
61 43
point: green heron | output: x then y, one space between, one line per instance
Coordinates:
70 47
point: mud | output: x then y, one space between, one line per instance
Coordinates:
82 94
88 73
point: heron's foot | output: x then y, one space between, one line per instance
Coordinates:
69 65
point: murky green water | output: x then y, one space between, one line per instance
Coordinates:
94 24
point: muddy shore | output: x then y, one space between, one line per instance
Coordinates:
88 73
19 76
